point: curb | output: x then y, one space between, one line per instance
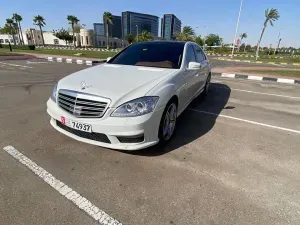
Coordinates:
252 56
80 49
258 62
257 78
77 61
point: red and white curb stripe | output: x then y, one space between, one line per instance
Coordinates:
81 202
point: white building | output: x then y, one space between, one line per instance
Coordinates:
85 38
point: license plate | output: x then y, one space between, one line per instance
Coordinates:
76 125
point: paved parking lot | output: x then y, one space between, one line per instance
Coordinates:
234 160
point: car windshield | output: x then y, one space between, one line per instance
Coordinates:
151 54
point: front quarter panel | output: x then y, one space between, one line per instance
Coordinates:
167 89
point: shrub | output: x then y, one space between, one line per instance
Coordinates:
21 47
31 47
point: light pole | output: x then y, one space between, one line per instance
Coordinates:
236 29
279 40
137 32
204 38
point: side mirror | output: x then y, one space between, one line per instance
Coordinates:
109 58
194 66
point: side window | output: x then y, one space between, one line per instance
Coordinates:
190 55
199 54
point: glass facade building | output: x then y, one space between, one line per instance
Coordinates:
99 29
170 26
115 29
133 22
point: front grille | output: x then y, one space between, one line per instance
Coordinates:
131 139
81 104
92 136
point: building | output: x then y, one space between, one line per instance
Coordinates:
170 26
100 41
99 29
133 22
115 29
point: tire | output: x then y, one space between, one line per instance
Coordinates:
206 87
169 118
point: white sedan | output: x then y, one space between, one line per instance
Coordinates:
132 101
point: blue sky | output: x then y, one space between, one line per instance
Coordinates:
219 16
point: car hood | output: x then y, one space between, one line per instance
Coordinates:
119 83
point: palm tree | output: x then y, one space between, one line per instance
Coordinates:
242 36
187 34
11 24
40 21
145 36
73 20
130 38
18 18
271 16
107 17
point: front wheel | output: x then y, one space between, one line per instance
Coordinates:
168 122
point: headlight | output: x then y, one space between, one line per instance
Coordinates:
53 95
137 107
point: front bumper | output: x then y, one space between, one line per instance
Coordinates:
113 127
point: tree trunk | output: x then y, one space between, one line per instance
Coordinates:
21 33
258 43
42 35
74 36
13 34
107 36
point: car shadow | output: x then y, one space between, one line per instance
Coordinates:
198 119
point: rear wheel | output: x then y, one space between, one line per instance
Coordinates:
207 84
168 122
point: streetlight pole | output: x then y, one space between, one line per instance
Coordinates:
279 40
205 33
137 32
236 29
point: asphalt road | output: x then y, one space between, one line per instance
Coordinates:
234 160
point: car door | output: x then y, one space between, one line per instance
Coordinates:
203 72
187 78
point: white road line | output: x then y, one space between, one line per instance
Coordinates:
80 201
261 93
247 121
16 65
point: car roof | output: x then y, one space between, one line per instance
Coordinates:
163 41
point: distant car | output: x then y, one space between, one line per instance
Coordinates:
132 101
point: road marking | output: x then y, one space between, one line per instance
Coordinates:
80 201
247 121
16 65
255 92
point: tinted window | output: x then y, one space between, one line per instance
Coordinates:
190 55
199 54
152 54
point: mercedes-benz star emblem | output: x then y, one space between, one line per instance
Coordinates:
83 85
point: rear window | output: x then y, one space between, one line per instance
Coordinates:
151 54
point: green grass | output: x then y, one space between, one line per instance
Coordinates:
289 73
8 54
85 54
